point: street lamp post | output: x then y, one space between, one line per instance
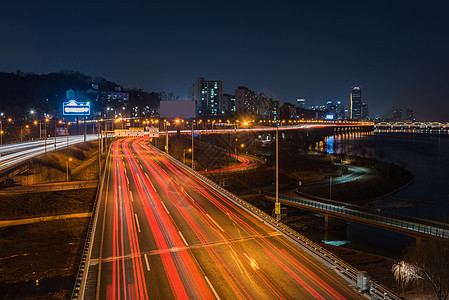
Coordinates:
186 150
67 168
166 136
67 133
277 209
193 166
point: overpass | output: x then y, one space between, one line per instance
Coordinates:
14 156
415 227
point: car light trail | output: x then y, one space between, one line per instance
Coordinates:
174 236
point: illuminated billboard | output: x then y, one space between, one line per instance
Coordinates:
329 117
75 108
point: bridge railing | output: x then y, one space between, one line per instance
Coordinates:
382 213
437 229
333 261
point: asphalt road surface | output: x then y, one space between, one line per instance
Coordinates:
14 154
162 234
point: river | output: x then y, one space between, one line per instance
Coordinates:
426 156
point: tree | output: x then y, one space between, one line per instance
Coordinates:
427 265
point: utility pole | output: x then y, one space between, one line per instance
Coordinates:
193 149
277 209
166 137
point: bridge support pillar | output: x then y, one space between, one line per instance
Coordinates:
331 221
418 241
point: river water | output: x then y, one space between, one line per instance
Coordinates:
426 156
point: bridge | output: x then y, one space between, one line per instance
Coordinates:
415 227
414 125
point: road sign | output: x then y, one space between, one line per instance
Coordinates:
277 208
153 131
136 132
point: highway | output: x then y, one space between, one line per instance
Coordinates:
162 233
14 154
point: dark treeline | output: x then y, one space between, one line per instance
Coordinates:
20 92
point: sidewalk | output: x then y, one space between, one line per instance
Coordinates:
47 187
42 219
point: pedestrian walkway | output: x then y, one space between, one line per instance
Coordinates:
48 187
7 223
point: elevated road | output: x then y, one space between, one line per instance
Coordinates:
15 154
411 226
163 233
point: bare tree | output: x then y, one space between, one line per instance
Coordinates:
427 265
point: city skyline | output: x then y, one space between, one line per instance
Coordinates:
314 50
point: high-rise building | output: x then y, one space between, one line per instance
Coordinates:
245 100
331 108
409 115
228 105
356 103
339 111
365 113
208 96
301 103
397 114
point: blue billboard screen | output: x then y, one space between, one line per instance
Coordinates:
75 108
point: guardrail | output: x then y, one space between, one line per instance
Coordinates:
376 289
81 275
407 223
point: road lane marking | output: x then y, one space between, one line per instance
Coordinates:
131 195
141 166
184 240
127 179
165 207
146 262
207 215
212 288
137 223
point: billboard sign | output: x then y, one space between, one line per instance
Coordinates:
75 108
177 109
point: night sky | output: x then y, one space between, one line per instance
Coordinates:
398 51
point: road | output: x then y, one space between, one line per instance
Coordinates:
14 154
247 162
162 233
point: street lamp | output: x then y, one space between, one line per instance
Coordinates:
186 150
67 168
67 133
277 208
